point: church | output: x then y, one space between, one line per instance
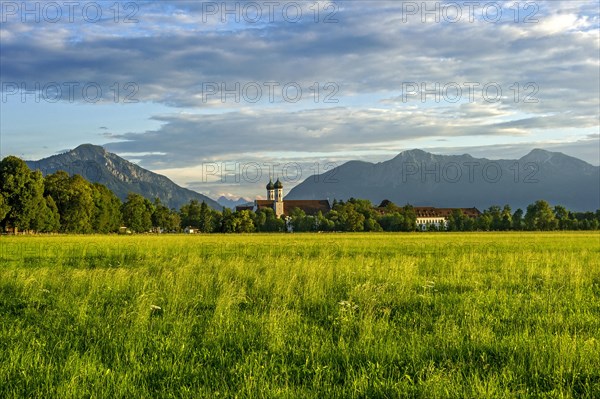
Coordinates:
283 208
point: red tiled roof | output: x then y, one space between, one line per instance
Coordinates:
310 207
264 204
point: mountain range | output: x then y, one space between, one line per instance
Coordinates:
415 177
421 178
97 165
230 203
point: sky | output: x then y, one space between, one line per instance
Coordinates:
219 96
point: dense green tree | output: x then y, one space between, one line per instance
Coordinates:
137 213
191 214
410 218
243 222
456 220
106 217
484 222
46 217
228 223
348 219
333 217
266 221
506 218
160 214
4 207
563 217
586 220
217 217
41 215
392 221
74 199
302 222
495 214
260 219
540 216
52 216
364 207
371 224
174 223
324 224
206 219
165 219
517 220
469 224
393 218
23 193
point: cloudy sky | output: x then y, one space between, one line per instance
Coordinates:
204 90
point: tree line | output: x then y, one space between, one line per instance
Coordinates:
70 204
360 215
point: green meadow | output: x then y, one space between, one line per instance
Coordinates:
441 315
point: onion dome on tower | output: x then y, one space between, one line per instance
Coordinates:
278 184
271 186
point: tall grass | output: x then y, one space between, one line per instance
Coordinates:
301 316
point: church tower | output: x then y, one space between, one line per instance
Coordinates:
278 204
271 191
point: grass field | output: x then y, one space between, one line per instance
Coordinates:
509 315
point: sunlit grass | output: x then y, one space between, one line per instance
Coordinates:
301 315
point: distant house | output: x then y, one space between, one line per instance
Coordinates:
191 230
283 208
428 216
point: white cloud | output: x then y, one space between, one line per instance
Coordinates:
371 54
